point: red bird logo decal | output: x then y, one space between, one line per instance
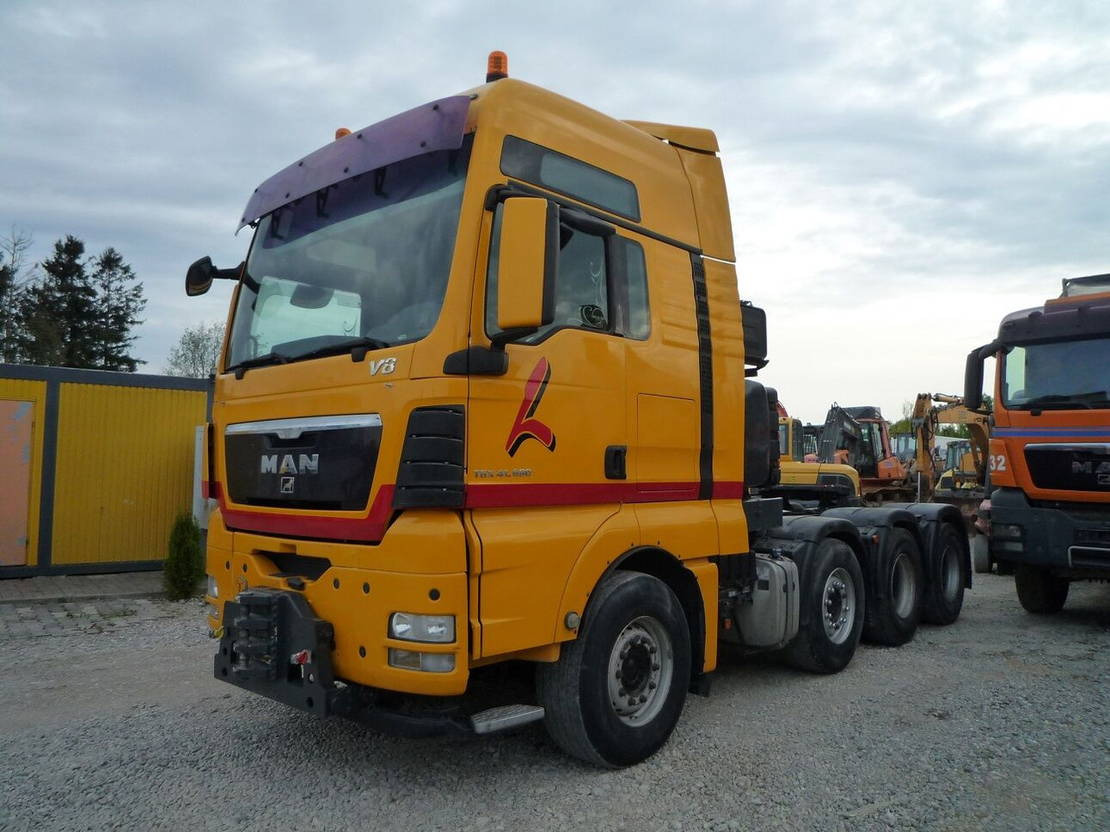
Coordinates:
525 426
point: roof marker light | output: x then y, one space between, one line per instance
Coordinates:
341 132
497 67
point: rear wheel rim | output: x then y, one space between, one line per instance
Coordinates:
903 587
838 605
641 668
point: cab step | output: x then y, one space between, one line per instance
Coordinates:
504 717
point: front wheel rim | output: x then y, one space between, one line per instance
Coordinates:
838 605
641 667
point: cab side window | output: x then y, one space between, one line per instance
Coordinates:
600 285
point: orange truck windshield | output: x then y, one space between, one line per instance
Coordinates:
1065 375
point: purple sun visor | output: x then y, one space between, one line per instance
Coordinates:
437 125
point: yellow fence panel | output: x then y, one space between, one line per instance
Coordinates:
124 471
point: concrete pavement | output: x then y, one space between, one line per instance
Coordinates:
71 588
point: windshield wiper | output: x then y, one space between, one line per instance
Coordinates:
356 346
361 345
258 361
1058 401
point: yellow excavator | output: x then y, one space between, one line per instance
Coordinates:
818 485
960 478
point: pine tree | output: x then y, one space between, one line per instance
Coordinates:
119 302
78 312
58 312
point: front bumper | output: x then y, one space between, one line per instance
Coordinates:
272 644
355 589
1050 537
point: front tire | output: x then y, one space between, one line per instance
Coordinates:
617 691
892 619
832 605
1040 591
944 596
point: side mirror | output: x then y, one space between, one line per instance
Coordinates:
199 277
754 321
527 262
973 375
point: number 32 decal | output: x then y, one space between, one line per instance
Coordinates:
998 462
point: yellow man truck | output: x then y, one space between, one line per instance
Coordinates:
1049 455
485 396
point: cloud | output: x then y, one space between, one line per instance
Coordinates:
900 175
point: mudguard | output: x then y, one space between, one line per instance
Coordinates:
930 517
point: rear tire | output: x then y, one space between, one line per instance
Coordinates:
892 619
617 691
944 593
831 609
1040 591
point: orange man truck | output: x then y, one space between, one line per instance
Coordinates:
484 398
1049 456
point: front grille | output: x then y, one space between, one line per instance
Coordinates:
1070 467
314 463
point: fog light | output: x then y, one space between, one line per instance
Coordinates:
1006 531
213 611
437 662
427 662
213 587
409 626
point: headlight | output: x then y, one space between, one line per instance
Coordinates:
409 626
1006 531
213 587
428 662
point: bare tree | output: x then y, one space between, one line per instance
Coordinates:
197 351
13 276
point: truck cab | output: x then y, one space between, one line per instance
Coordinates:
487 396
1049 455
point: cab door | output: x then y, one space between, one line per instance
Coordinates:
546 440
664 399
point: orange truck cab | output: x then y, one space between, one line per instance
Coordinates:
486 396
1049 456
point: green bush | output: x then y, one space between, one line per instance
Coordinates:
184 565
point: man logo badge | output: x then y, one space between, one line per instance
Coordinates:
287 485
301 464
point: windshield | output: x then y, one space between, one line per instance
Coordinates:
361 262
1063 375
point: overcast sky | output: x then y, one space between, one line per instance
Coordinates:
900 174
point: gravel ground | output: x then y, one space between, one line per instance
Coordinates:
1000 721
